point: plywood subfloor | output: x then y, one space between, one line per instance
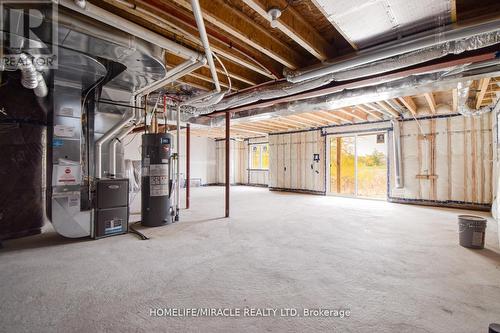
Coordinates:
398 268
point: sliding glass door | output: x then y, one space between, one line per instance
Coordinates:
358 165
342 166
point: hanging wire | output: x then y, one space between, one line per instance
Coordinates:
225 71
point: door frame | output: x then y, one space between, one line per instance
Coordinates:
329 138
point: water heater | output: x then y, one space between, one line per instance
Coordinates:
156 184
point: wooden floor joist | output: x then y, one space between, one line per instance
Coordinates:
483 86
239 26
429 97
291 24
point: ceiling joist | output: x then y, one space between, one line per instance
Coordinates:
294 26
238 25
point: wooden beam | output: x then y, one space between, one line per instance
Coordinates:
238 128
330 117
305 121
202 73
294 26
429 97
293 122
255 126
161 19
409 104
311 117
378 109
337 28
335 114
483 86
279 122
374 114
354 114
274 124
238 25
387 108
195 83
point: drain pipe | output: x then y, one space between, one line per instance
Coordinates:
198 16
122 135
396 147
101 15
402 47
129 116
172 75
216 95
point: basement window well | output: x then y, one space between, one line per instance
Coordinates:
358 165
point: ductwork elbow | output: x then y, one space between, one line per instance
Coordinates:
29 77
41 89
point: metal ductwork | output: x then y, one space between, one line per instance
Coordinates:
171 76
452 40
101 15
31 78
378 60
82 155
407 86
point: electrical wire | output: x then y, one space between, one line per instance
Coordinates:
225 71
130 141
132 230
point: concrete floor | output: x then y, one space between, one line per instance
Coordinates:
397 268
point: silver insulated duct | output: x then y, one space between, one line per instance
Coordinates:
31 78
384 58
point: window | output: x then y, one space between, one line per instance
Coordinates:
259 156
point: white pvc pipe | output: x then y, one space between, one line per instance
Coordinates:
396 147
112 145
198 16
172 75
105 137
99 14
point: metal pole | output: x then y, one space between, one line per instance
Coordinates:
188 163
178 164
228 116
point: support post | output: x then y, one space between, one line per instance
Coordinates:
188 163
178 166
228 144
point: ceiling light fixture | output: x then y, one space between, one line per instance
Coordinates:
274 13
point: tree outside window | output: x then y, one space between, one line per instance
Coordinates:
259 156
